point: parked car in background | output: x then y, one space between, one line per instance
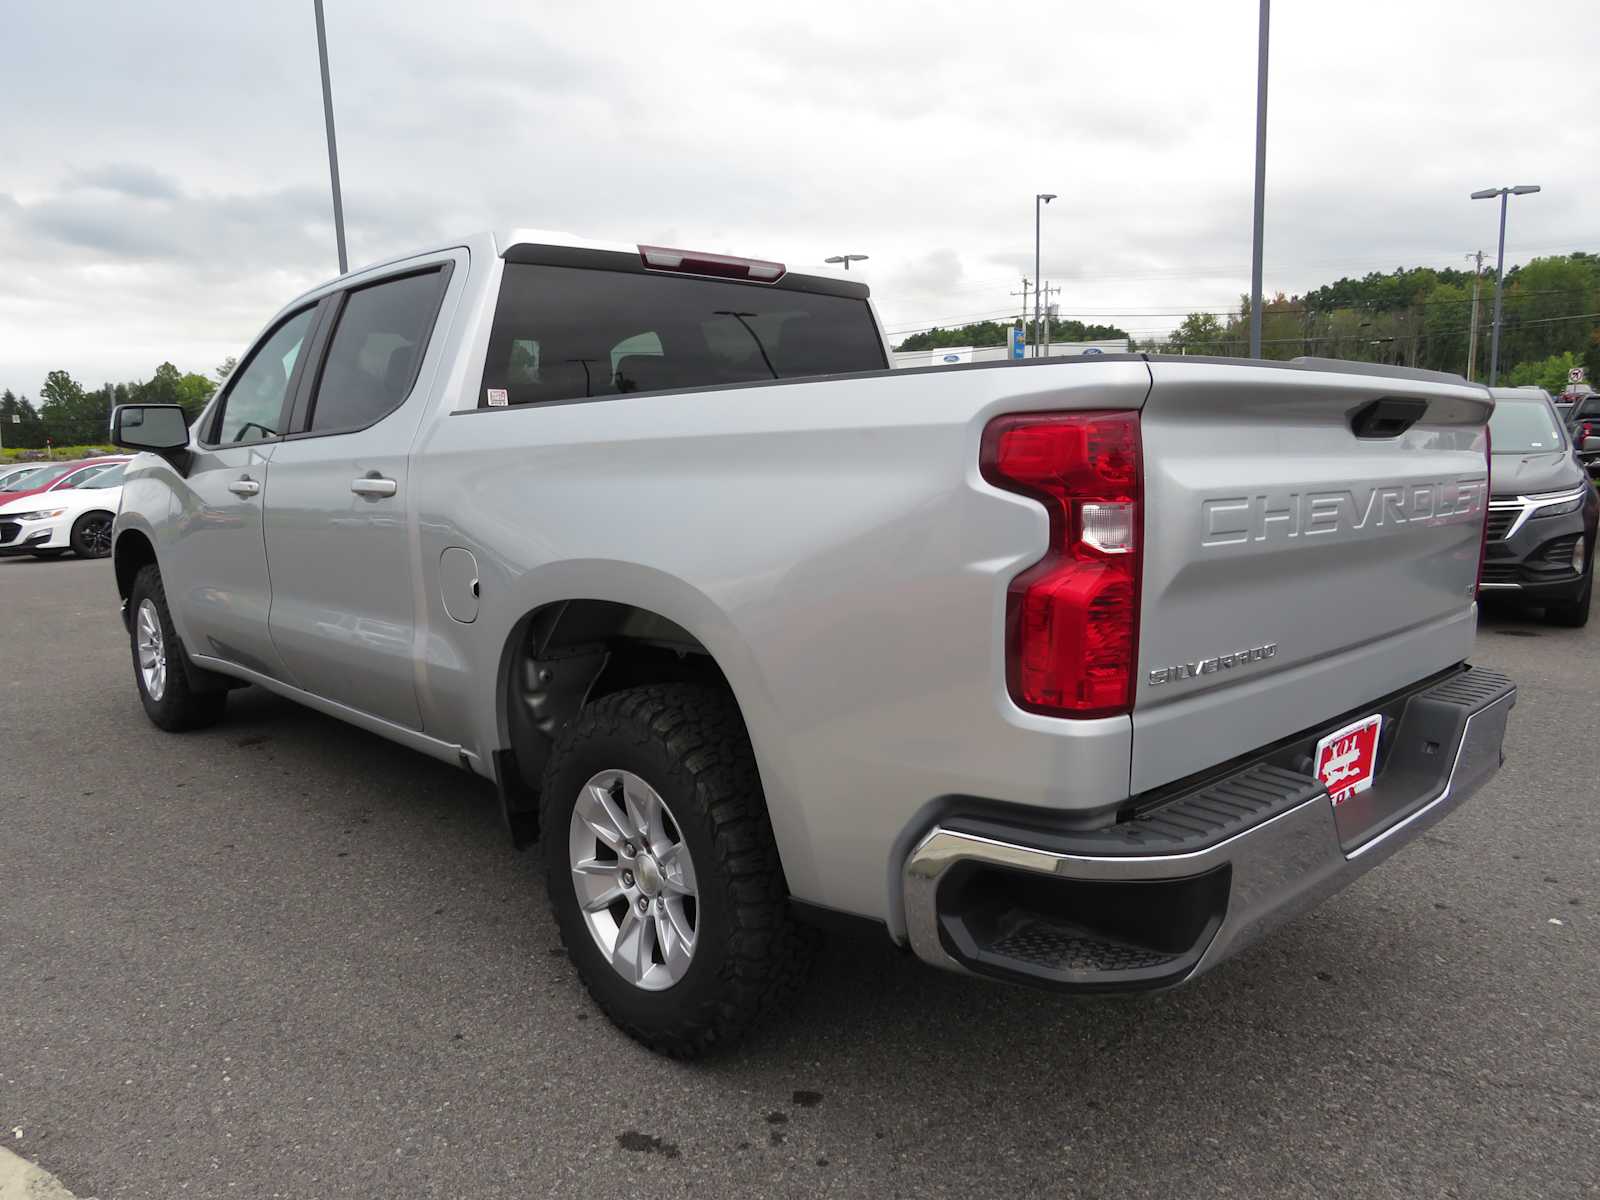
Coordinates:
1542 510
58 476
1564 401
11 476
1081 672
1583 423
49 523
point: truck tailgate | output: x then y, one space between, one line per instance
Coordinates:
1301 556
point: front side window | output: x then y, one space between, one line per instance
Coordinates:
82 476
561 333
47 477
21 480
375 352
252 411
108 477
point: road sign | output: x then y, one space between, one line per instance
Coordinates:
1017 343
1575 375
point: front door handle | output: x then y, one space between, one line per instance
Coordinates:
244 486
374 485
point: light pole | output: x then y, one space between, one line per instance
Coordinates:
1039 199
1522 189
1261 182
333 147
1472 337
847 259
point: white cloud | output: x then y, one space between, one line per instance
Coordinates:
166 185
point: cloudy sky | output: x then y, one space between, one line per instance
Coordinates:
163 175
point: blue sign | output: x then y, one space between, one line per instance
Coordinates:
952 358
1017 345
1093 350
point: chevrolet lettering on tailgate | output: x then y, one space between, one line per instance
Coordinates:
1266 516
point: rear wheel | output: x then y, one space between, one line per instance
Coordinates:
91 535
663 874
159 661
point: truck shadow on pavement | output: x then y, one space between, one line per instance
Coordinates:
1341 980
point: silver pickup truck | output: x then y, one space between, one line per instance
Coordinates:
1081 674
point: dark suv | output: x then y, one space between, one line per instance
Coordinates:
1542 510
1583 423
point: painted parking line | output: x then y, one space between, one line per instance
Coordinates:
21 1180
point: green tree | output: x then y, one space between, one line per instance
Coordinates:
1549 373
226 368
20 427
170 386
72 416
1541 300
1199 333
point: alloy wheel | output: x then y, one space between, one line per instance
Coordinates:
96 536
634 879
152 647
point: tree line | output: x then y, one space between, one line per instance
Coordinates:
994 333
1411 316
1422 317
69 414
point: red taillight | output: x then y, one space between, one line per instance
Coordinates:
721 266
1072 619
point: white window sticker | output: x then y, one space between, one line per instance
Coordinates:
498 398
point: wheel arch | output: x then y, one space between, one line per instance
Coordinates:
562 654
131 552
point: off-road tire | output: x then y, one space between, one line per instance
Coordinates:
182 707
689 743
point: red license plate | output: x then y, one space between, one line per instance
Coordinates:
1347 758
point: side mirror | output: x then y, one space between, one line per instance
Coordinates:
1591 445
161 428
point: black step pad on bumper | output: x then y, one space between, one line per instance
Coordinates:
1201 869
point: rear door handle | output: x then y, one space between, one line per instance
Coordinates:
244 486
374 485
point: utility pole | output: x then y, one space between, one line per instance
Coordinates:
1026 285
1045 290
1472 338
333 146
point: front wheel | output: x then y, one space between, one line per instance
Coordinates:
169 698
1574 614
663 874
91 535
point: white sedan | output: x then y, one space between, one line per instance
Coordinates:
48 524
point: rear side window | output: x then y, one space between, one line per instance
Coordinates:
376 350
562 333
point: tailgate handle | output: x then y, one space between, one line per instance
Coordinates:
1386 418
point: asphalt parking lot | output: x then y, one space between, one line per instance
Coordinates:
284 958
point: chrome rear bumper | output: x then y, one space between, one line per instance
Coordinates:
1273 870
